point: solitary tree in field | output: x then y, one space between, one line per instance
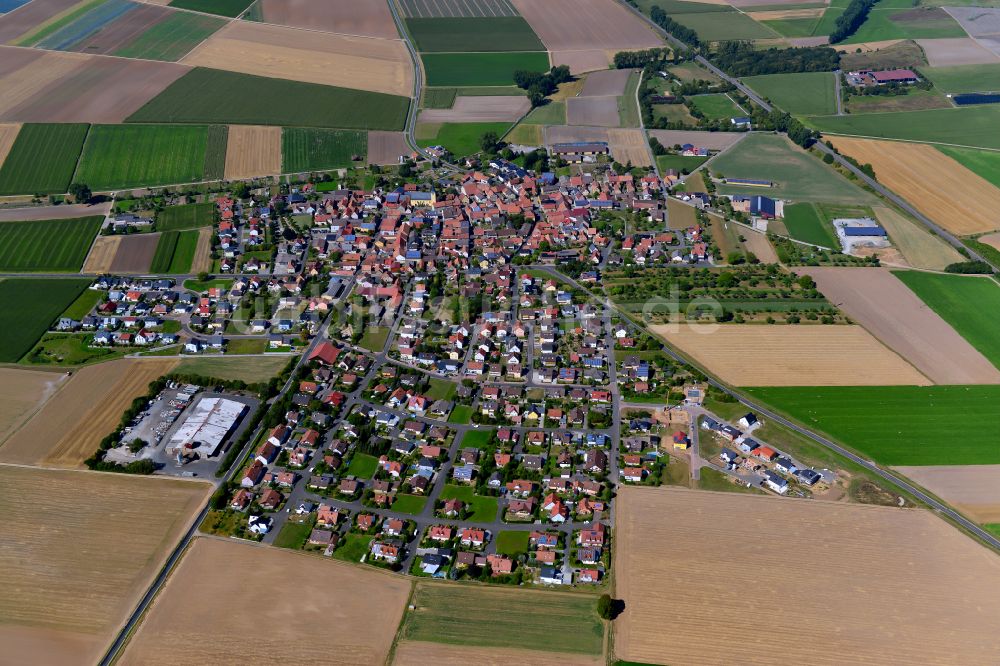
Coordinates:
81 192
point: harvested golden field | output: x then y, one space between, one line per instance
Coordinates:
79 549
224 591
202 261
37 76
252 151
68 429
838 583
680 215
102 254
757 243
972 489
942 189
364 63
921 248
866 46
791 355
583 60
8 134
629 145
418 653
21 393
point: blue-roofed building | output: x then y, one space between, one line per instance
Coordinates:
765 207
855 232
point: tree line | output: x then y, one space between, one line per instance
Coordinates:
852 19
738 58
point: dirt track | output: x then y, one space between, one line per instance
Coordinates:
479 109
972 489
874 298
841 583
368 18
252 151
386 147
135 253
567 25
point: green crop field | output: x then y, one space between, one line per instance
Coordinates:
215 152
483 617
679 162
307 149
899 425
895 22
480 69
482 509
30 306
220 7
250 369
810 93
969 304
47 245
462 138
214 96
439 98
164 252
716 106
174 252
985 163
800 27
457 35
42 159
117 156
84 303
721 26
188 216
796 174
171 38
964 78
804 223
972 126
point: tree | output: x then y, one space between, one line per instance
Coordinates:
136 445
203 276
609 608
489 142
81 192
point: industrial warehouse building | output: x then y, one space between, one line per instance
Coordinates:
205 427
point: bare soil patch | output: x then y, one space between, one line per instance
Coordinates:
606 82
759 355
69 427
202 261
579 62
680 215
209 607
629 145
784 14
757 243
673 542
80 549
386 147
567 134
566 25
252 151
362 63
22 392
972 489
993 240
957 51
942 189
484 109
367 18
602 111
34 78
921 248
8 134
418 653
135 253
124 29
877 300
102 254
61 212
710 140
27 16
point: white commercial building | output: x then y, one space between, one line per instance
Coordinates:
206 426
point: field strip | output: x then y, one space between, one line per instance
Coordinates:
202 262
101 255
8 134
418 653
930 143
972 489
38 76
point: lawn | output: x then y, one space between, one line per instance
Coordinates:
483 509
409 504
293 535
809 93
481 616
461 414
973 126
456 35
679 162
969 304
200 286
174 252
476 438
374 338
717 106
30 307
42 159
362 466
985 163
250 369
964 78
171 38
246 346
308 149
796 174
215 96
82 306
804 223
352 547
899 425
441 389
513 543
628 106
721 26
220 7
462 138
47 245
188 216
117 156
480 69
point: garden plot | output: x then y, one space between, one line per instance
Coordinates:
366 18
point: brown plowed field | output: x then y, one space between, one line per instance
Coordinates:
8 134
957 51
253 151
123 30
14 59
876 299
993 240
67 430
757 243
368 18
761 355
88 89
202 261
568 25
567 134
606 82
629 145
62 212
135 253
479 109
580 61
21 393
379 65
386 147
24 18
942 189
841 583
209 607
102 254
920 248
972 489
79 549
601 111
419 653
710 140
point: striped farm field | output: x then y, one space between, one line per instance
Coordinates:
8 134
229 8
454 35
42 159
47 245
253 151
791 355
31 305
306 149
172 38
216 152
188 216
941 188
175 252
117 156
480 69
